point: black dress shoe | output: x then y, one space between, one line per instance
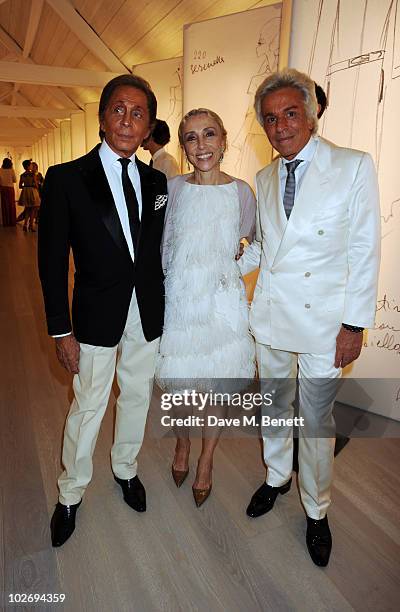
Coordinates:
62 523
319 540
134 493
264 498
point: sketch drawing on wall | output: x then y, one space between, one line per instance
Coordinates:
165 79
362 61
396 45
174 115
175 97
354 53
356 71
223 75
391 220
252 148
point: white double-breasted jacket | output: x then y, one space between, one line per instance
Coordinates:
318 269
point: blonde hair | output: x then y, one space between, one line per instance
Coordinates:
200 111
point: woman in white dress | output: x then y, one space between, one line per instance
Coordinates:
206 337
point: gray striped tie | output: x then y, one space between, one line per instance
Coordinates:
290 187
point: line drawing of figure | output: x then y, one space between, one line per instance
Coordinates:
175 98
396 45
391 220
360 66
174 115
355 54
250 143
356 66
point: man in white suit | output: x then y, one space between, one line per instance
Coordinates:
317 246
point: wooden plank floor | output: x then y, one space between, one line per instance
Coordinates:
175 556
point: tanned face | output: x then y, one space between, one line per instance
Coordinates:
285 121
126 121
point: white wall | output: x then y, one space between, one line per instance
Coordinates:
65 135
44 152
57 145
78 138
165 78
50 148
225 59
91 125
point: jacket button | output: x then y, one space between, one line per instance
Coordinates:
307 305
307 274
320 232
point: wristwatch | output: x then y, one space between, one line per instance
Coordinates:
352 328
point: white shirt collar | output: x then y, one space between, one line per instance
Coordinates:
109 157
307 152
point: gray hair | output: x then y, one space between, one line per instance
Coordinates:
289 77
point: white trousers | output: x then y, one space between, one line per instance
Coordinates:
318 383
133 360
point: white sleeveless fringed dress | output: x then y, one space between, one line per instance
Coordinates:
206 330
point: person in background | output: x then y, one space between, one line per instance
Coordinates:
321 100
318 248
39 183
39 177
29 197
160 159
7 180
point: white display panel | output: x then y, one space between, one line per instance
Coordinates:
45 155
50 148
225 59
57 145
91 125
65 139
165 78
78 137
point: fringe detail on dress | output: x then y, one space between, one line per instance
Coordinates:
201 341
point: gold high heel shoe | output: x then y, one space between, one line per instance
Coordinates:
200 495
179 475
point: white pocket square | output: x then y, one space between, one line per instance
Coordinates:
160 201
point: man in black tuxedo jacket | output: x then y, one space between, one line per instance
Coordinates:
109 208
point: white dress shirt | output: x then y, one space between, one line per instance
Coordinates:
306 155
251 258
113 169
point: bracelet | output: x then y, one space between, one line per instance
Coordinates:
352 328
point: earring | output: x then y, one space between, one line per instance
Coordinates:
221 156
187 162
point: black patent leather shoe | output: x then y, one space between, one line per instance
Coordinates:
62 523
264 498
134 493
319 540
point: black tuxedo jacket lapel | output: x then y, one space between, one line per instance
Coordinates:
99 189
97 184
